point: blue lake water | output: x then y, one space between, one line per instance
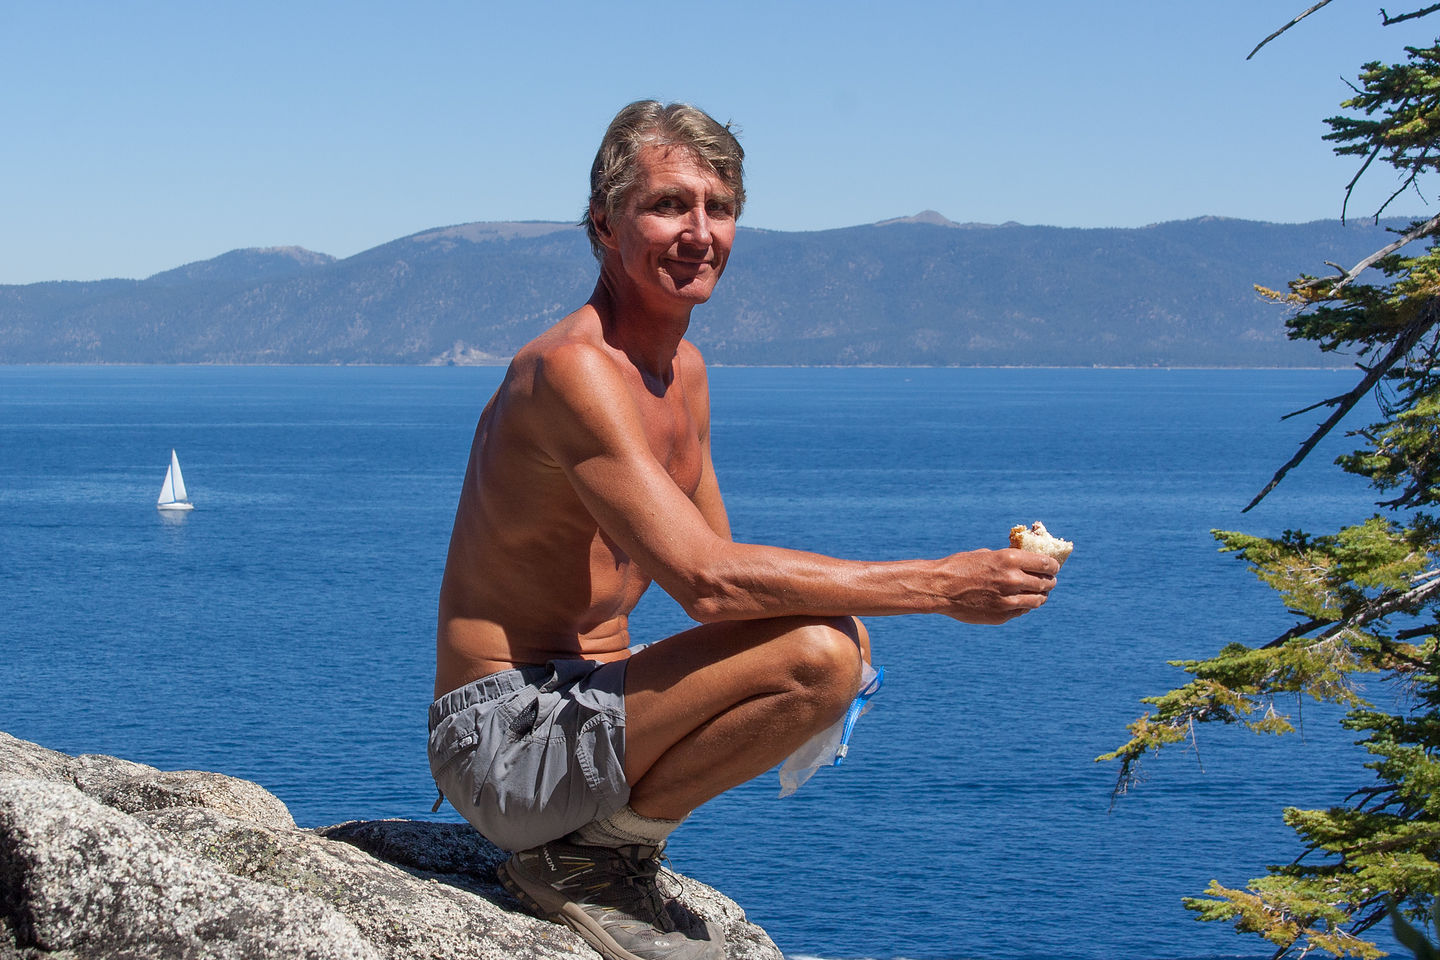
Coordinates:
283 631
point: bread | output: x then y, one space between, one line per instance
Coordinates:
1037 539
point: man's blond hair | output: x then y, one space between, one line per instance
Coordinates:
646 122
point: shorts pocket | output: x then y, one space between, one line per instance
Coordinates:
555 778
452 738
519 716
464 748
600 751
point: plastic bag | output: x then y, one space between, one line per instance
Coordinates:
829 746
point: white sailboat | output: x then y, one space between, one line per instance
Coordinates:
172 492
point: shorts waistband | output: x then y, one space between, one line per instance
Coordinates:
490 687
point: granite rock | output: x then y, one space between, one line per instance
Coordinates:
102 857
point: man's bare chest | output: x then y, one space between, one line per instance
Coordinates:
674 439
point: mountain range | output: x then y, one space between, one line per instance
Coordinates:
918 290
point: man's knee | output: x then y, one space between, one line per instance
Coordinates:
823 659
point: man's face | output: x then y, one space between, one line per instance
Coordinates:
671 237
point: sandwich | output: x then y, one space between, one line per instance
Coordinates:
1037 539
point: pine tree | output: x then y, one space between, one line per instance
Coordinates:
1367 597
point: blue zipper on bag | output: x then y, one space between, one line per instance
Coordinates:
853 714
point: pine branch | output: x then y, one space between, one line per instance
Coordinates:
1375 916
1286 27
1386 19
1367 794
1415 839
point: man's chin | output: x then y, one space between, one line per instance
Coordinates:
696 287
694 294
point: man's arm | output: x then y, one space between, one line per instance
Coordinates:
588 422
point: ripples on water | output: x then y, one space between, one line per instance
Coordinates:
283 631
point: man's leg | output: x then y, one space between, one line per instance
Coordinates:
713 707
704 711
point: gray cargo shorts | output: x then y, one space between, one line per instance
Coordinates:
530 754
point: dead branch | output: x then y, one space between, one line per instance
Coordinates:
1424 320
1328 401
1412 180
1428 226
1286 27
1384 605
1299 630
1386 19
1350 187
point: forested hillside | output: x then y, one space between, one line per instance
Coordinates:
919 290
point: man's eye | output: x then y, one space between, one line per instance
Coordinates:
667 203
719 208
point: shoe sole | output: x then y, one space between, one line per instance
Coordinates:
562 910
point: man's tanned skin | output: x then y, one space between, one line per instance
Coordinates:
590 477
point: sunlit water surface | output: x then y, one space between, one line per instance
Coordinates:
283 631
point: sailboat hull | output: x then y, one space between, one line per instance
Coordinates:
174 506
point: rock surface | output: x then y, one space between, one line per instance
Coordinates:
104 858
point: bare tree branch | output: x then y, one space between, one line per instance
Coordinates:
1382 606
1386 19
1327 402
1387 603
1411 180
1423 321
1429 226
1350 187
1299 630
1286 27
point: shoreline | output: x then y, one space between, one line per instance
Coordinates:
501 365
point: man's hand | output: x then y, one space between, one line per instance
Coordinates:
994 586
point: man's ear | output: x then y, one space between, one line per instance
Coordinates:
601 219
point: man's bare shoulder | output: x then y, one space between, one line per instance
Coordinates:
578 334
569 357
566 381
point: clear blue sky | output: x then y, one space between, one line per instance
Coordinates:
138 136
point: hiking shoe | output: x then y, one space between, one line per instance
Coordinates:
610 897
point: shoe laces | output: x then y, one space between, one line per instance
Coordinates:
668 875
637 890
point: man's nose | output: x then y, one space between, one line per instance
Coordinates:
697 230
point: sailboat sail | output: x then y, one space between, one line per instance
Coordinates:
177 482
172 491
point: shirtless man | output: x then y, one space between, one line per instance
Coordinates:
589 478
